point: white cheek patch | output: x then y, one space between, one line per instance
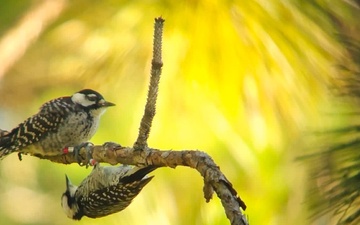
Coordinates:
67 210
80 99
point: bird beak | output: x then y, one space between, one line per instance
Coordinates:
67 182
104 103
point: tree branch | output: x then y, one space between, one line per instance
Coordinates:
150 107
214 179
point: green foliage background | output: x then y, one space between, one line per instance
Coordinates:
244 81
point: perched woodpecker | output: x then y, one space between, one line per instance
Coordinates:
105 191
62 122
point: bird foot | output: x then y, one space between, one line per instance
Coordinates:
88 160
92 162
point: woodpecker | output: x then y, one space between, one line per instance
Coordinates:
105 191
62 122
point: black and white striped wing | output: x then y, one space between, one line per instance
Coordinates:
35 128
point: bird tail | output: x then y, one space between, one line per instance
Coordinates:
138 174
5 143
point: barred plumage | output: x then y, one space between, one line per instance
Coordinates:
105 191
62 122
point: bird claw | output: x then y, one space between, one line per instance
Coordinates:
76 152
88 147
92 162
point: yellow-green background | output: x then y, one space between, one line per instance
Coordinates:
244 81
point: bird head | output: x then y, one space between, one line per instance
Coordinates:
68 201
91 100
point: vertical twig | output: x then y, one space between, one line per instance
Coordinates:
156 65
